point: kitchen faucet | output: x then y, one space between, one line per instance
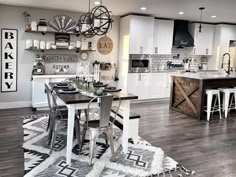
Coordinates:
222 66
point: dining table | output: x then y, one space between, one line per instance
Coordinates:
79 101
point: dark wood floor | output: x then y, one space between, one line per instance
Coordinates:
11 140
207 148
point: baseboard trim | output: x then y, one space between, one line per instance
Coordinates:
18 104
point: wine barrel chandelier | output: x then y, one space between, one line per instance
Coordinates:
97 21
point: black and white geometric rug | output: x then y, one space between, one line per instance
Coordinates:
142 159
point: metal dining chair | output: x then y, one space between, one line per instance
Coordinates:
63 109
101 126
48 92
57 116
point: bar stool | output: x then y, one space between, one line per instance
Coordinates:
226 99
210 94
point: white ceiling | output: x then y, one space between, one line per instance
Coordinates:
225 10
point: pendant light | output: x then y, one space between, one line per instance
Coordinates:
102 19
85 24
97 21
200 25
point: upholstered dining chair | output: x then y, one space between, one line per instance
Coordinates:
100 126
58 115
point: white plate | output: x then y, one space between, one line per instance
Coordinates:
68 92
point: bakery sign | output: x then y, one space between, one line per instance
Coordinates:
105 45
9 39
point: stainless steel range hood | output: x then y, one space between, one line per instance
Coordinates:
182 37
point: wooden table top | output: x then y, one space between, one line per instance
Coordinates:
76 98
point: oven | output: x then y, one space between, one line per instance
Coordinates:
139 63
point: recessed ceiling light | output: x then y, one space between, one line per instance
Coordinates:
97 3
143 8
181 13
213 16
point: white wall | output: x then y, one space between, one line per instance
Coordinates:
223 34
11 17
212 62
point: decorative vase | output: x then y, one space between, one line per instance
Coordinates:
34 26
29 44
42 45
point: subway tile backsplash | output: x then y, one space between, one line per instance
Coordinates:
159 62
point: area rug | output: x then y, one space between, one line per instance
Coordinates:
142 159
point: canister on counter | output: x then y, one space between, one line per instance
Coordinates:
36 44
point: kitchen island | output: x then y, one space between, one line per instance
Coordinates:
188 91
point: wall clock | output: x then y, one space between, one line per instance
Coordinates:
84 56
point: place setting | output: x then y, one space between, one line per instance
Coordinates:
82 86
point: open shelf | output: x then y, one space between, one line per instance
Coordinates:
60 49
52 32
57 49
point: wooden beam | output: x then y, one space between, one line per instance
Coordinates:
182 99
186 97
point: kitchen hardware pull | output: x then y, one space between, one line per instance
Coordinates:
207 51
194 51
156 50
141 49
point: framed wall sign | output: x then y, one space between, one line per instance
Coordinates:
62 40
9 60
105 45
56 58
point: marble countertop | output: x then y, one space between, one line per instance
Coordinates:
207 75
181 71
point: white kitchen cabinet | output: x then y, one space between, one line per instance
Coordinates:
136 37
140 31
39 97
203 42
138 84
149 85
160 86
163 36
169 82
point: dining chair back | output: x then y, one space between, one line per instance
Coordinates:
57 117
105 110
49 99
55 105
54 117
48 92
99 127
